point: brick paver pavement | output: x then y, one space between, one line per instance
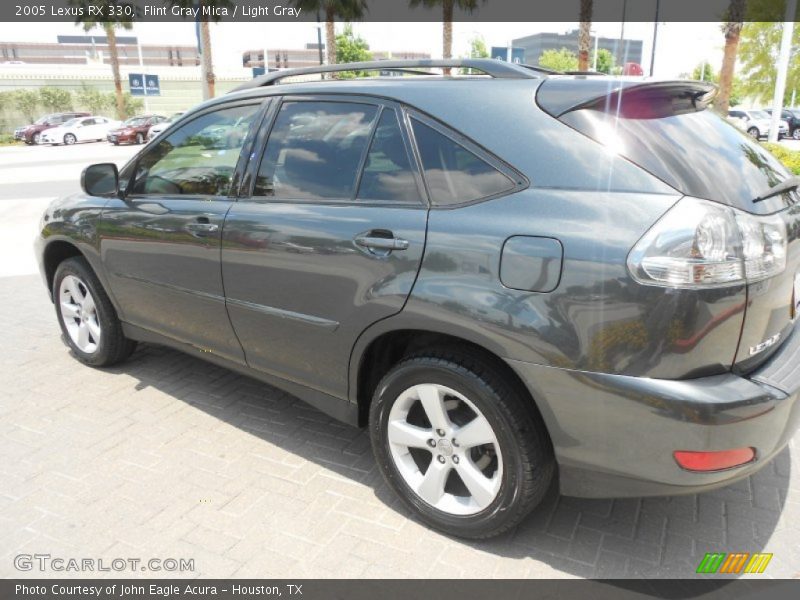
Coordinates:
169 457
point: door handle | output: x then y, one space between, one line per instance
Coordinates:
202 229
372 242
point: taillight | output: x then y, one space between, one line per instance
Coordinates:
702 244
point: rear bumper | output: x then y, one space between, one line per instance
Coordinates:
614 435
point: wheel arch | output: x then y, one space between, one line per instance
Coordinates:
54 254
386 348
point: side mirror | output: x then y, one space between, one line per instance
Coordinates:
101 179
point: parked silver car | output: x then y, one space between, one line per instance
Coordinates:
756 123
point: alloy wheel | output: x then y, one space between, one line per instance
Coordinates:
69 139
36 138
79 314
139 138
445 449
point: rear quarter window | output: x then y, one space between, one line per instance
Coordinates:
454 174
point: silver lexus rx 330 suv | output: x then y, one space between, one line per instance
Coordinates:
513 278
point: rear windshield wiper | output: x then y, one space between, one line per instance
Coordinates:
784 186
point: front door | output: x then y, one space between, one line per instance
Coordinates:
161 244
329 241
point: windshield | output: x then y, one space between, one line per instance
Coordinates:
135 121
759 114
43 120
71 123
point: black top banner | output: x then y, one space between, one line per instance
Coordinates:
385 11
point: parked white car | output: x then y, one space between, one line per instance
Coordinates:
81 129
756 122
159 127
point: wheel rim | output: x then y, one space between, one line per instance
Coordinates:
445 449
79 314
753 132
796 134
139 138
36 138
69 139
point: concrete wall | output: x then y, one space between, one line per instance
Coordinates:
180 86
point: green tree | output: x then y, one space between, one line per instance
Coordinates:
606 61
758 56
477 47
448 7
705 72
348 10
93 100
132 105
55 99
559 60
585 35
26 102
351 48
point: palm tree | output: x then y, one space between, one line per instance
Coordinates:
109 26
448 7
205 37
732 29
348 10
585 35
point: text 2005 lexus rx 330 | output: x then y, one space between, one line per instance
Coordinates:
511 278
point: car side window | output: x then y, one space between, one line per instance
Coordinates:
455 175
198 158
387 174
314 150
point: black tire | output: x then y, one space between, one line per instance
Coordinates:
528 463
796 133
754 133
70 139
113 347
139 139
36 138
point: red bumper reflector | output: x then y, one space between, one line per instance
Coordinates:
714 461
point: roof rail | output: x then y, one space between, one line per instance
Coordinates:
489 66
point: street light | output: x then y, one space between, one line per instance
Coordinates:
594 62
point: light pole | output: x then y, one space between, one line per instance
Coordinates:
783 67
594 61
655 40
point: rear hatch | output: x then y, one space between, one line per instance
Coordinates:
668 129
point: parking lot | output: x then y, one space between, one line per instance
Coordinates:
168 457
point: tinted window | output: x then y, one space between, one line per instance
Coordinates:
453 173
387 173
314 150
697 153
198 158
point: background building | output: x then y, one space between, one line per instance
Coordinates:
281 58
87 49
534 45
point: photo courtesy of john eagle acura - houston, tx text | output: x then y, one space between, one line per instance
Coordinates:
514 279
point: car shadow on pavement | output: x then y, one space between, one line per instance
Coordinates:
614 538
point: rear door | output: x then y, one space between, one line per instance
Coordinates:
328 238
161 244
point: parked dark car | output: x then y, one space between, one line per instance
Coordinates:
512 280
792 117
31 134
134 130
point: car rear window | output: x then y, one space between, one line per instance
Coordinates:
697 153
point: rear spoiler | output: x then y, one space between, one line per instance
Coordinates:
629 98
